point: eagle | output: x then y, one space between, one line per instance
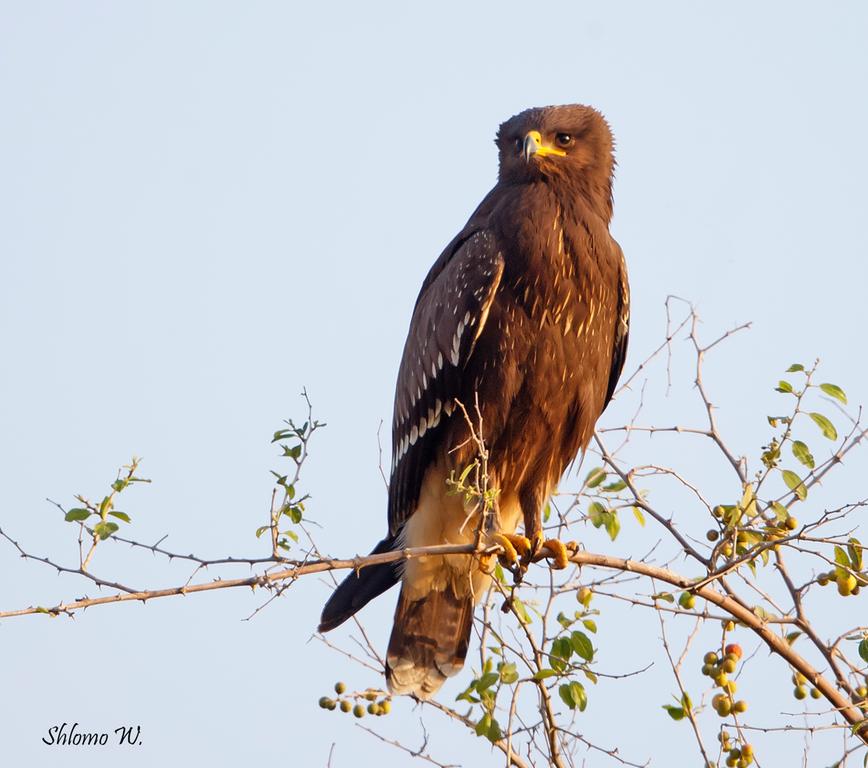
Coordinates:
521 328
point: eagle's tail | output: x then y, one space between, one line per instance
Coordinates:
359 588
429 642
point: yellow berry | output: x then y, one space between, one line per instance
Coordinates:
710 658
815 693
359 710
340 688
846 584
800 692
739 706
712 534
346 706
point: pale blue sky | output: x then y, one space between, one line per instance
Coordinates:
206 206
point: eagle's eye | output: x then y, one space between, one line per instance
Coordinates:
563 139
519 144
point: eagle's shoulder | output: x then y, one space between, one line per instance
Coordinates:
450 314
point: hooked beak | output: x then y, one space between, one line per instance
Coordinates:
533 146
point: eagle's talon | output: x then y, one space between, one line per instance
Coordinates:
559 553
536 546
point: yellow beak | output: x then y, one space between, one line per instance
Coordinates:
533 145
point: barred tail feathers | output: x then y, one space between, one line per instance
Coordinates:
429 641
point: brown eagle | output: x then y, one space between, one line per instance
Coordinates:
526 314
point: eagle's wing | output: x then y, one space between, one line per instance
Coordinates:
622 326
449 316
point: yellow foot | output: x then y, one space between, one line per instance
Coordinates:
558 552
514 547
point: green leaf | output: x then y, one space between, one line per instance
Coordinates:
795 484
826 426
494 733
262 529
596 513
573 695
590 625
121 516
841 557
582 645
803 454
74 515
780 510
676 713
119 485
795 367
792 637
467 470
613 525
833 390
484 724
667 596
618 485
521 611
544 673
486 681
508 673
562 648
639 515
596 476
104 529
854 547
785 387
863 649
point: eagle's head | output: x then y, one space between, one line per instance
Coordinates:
570 143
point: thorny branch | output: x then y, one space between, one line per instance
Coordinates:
759 529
